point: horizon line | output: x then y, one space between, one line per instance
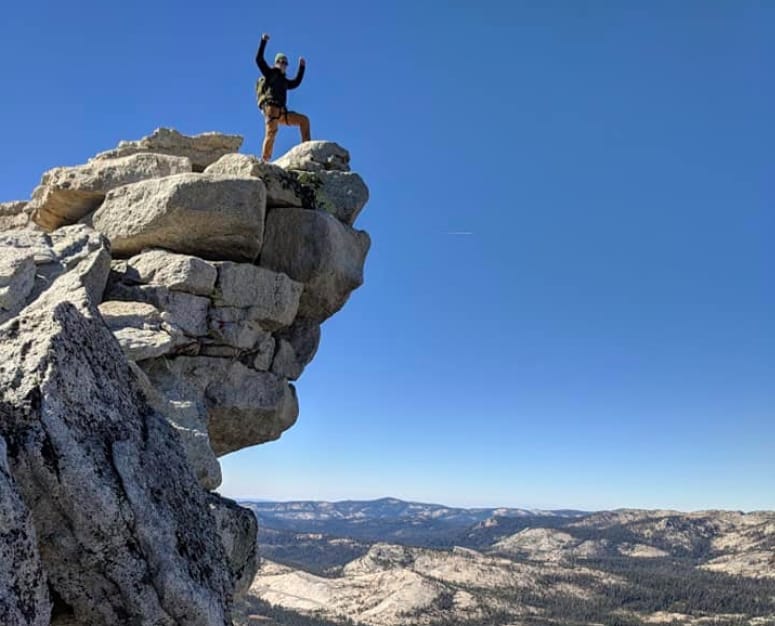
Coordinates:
516 508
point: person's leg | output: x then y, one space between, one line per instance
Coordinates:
297 119
272 115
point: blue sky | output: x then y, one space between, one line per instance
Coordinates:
604 336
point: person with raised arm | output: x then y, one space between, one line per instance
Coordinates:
272 94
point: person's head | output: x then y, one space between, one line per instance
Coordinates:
281 61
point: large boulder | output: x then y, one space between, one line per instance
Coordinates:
200 149
314 248
67 194
245 407
24 598
341 193
282 187
316 156
123 528
203 215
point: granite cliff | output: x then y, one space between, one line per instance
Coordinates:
155 304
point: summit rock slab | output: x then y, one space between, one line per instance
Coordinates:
67 194
282 187
202 149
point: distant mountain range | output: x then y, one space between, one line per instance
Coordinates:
387 519
394 563
390 508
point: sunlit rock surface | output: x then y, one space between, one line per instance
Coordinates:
142 335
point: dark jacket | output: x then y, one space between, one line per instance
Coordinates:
277 84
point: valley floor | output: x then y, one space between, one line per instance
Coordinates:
624 568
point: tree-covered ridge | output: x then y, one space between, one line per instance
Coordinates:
623 568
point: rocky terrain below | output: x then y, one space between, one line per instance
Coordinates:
626 567
156 305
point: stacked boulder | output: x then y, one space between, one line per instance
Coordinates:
155 304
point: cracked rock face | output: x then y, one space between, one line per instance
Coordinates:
28 254
142 343
121 522
24 596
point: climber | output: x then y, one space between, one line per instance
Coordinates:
271 91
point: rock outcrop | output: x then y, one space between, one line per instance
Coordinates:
14 215
197 214
316 156
319 251
155 302
67 194
201 150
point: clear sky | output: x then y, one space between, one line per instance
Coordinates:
602 336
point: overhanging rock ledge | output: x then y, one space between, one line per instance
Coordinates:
155 305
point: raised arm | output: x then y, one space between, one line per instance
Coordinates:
260 61
292 84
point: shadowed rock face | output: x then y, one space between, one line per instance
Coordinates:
122 525
122 381
245 407
23 593
316 249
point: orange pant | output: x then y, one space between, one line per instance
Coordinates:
273 117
